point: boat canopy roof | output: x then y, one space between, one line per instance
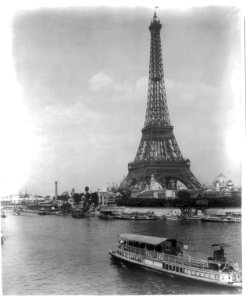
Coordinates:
153 240
221 245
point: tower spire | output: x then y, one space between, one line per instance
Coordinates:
155 11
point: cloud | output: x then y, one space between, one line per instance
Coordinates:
169 83
100 81
141 84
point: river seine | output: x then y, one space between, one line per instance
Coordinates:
51 255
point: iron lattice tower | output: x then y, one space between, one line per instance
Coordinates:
158 153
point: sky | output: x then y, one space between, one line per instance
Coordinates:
76 93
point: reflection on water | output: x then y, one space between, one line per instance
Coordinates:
45 255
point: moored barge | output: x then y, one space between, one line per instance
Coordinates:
171 257
148 216
221 219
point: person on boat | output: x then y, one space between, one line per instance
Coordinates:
222 252
121 244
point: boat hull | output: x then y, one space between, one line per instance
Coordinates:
172 218
192 218
106 217
156 266
136 217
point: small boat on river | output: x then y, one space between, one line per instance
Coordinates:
123 216
173 216
221 219
169 256
106 215
3 215
2 238
192 216
147 216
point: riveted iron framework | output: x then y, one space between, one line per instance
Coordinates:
158 152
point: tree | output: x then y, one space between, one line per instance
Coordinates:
77 197
94 198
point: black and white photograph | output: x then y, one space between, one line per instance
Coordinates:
122 144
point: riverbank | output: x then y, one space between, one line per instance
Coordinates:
163 211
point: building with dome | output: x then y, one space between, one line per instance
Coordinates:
223 184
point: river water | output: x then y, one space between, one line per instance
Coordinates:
51 255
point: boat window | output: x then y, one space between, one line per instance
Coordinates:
177 269
150 247
170 267
142 245
173 268
158 248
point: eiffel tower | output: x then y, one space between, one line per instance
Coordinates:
158 153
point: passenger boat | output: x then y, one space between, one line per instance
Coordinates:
169 256
106 215
124 216
221 219
148 216
172 216
192 216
